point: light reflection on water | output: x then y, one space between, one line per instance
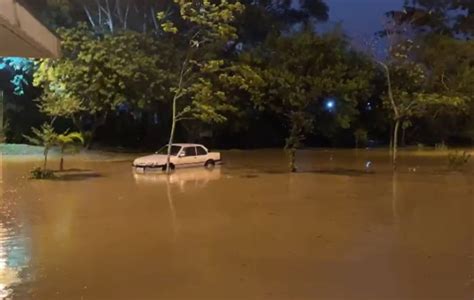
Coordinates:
184 179
189 176
14 257
13 260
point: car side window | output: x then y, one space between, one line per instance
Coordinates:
190 151
201 151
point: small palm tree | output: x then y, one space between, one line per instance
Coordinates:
46 137
65 140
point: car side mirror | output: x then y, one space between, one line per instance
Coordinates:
182 154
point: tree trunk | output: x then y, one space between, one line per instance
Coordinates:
292 154
396 113
294 139
170 142
98 121
90 137
78 123
61 162
402 141
395 144
45 162
177 95
390 145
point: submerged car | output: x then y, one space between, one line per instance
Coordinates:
182 155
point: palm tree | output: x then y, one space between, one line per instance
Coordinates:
68 140
46 137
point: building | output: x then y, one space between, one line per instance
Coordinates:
21 34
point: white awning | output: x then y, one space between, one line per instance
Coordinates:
21 34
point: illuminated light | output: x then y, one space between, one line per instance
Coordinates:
369 106
330 105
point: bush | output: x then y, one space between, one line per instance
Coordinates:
441 146
39 173
457 160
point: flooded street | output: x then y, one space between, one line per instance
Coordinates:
245 230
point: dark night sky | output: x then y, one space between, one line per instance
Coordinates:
361 17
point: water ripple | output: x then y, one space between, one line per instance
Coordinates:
13 255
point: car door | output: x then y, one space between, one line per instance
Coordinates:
189 158
201 155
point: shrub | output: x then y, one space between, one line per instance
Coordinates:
457 159
441 146
39 173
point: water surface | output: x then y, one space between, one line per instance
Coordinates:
246 230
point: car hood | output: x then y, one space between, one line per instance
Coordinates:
150 160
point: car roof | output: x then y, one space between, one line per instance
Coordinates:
188 145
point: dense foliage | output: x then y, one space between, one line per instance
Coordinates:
101 73
300 72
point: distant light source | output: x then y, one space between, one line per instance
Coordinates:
369 106
330 104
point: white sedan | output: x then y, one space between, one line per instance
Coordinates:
182 155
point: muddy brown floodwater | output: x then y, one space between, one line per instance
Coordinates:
246 230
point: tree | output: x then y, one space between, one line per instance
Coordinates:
100 73
266 17
449 63
66 140
450 67
300 72
55 13
204 28
410 91
16 72
17 90
45 137
446 17
109 16
360 136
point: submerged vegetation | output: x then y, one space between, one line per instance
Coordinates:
138 75
47 138
41 174
457 160
68 141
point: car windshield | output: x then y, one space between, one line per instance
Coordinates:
164 150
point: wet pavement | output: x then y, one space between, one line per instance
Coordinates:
339 229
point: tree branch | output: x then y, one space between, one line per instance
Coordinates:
389 89
155 22
110 16
444 82
125 21
184 119
89 16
